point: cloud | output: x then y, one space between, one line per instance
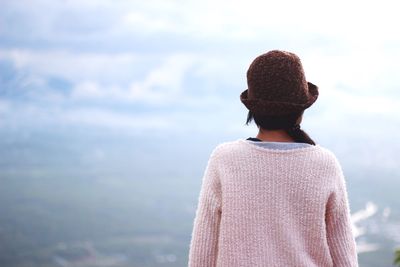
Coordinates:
4 106
72 21
191 57
256 19
159 86
73 66
163 83
114 120
120 77
364 70
18 115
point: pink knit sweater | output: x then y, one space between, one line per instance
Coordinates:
266 207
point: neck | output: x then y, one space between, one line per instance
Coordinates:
274 136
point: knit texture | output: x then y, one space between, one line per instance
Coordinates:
270 207
277 85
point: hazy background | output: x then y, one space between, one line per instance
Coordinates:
110 109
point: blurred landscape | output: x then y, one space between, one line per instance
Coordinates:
89 198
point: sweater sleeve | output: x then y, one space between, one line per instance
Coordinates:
204 243
338 224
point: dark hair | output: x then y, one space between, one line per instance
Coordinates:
285 122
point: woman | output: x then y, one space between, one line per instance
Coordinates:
277 199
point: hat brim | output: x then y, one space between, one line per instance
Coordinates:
265 107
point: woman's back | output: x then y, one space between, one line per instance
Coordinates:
261 206
272 207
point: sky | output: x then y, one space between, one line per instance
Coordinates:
175 66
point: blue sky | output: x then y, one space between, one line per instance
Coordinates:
162 65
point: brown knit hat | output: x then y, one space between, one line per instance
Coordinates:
277 85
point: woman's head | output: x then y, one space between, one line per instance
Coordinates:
278 93
277 85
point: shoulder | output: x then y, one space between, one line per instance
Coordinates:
333 167
223 152
225 148
330 156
